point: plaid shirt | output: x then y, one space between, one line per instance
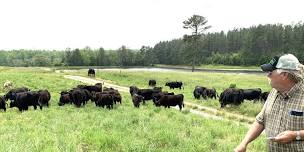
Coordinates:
276 117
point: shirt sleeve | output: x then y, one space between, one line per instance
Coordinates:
260 117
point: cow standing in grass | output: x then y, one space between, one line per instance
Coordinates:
91 72
171 100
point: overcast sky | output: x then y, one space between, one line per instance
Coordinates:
58 24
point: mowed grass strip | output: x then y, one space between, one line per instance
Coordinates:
124 128
220 81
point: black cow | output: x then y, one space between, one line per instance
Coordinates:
91 72
105 100
136 99
264 96
65 98
198 92
175 84
44 98
231 96
2 103
146 93
115 94
25 99
133 90
79 96
158 95
152 82
171 100
211 93
252 94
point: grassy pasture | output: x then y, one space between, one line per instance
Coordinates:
219 81
124 128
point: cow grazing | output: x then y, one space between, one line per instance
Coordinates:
152 83
136 99
65 98
2 103
231 96
91 72
175 84
171 100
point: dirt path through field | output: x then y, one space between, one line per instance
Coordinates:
194 108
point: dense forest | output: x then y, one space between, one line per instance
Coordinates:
245 46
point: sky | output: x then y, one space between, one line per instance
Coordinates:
61 24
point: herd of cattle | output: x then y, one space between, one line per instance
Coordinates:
22 98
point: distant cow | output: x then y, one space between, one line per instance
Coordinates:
152 82
231 96
175 84
171 100
91 72
2 103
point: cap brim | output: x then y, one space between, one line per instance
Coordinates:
267 67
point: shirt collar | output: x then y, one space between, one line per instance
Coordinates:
292 90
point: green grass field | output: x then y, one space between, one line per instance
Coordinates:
124 128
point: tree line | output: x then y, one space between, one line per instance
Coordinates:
241 46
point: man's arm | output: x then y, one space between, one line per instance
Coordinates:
254 131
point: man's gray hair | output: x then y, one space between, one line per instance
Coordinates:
296 75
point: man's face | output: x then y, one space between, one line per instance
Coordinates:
275 79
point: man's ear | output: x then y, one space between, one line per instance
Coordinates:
285 75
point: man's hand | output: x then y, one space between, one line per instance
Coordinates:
285 137
240 148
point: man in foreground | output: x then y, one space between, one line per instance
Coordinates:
282 116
